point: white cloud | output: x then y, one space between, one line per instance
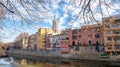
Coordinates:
67 8
62 21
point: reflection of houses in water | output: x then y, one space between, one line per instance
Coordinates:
65 64
59 63
23 61
43 64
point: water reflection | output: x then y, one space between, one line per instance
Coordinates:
7 62
56 64
10 62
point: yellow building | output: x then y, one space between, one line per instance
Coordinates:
42 32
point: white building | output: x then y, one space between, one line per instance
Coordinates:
22 41
56 40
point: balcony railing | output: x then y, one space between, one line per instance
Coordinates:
115 25
117 47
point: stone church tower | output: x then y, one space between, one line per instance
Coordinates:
55 25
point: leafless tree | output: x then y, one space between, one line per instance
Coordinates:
35 10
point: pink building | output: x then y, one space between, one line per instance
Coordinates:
91 35
86 35
65 41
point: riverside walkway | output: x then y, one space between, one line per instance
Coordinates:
50 55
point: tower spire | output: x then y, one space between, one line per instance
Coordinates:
55 25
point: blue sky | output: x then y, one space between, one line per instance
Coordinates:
66 13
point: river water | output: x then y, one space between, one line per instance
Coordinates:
11 62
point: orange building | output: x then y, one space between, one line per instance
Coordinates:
111 32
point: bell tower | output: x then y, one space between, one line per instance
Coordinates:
55 25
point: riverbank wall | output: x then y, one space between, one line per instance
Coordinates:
47 55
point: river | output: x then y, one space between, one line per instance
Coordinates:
11 62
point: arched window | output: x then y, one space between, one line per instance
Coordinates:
90 42
73 43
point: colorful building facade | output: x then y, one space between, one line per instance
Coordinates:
65 41
111 32
42 32
56 40
91 35
33 41
21 42
87 35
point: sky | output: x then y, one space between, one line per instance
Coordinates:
65 10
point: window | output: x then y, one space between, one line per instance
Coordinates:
79 30
97 42
89 42
97 35
109 47
117 38
117 21
109 38
98 29
89 35
107 32
79 36
116 32
79 43
73 43
107 20
74 37
74 31
107 25
67 38
66 32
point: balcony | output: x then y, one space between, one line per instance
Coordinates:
117 47
116 32
106 29
113 35
108 48
117 41
116 26
74 32
117 21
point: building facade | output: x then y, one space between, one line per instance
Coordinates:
33 41
42 32
90 35
65 41
86 35
111 32
56 40
49 41
21 41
